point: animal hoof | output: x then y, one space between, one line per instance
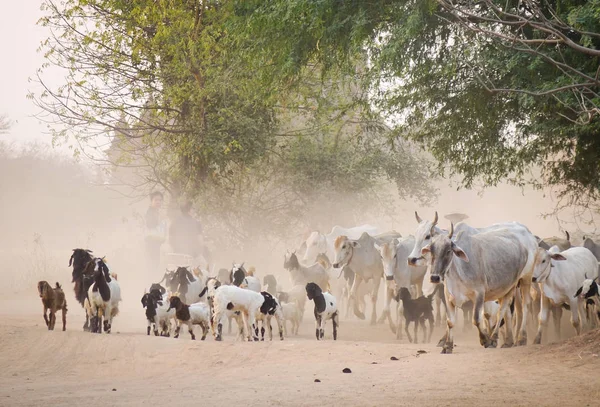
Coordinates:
446 350
218 338
522 342
507 345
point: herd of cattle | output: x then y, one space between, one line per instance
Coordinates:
501 276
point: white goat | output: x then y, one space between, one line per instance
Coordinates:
232 298
291 312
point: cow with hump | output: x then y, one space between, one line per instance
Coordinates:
479 265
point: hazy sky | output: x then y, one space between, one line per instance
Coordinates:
19 40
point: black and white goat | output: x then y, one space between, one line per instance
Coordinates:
189 288
157 311
104 295
244 279
190 315
325 308
270 308
82 276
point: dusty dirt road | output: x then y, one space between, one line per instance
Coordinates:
77 368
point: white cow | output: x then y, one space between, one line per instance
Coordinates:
398 273
560 275
319 243
428 230
364 259
483 267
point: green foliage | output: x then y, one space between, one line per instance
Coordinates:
461 78
198 108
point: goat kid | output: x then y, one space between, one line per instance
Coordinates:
53 299
417 311
325 308
190 315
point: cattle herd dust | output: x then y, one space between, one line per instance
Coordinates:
45 214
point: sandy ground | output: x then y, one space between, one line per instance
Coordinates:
128 368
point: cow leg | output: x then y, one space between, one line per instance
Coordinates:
399 320
523 301
450 322
377 281
466 319
438 312
542 319
503 314
575 315
353 291
387 299
557 313
484 338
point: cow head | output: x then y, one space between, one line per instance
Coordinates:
315 243
543 264
389 256
343 249
442 251
424 234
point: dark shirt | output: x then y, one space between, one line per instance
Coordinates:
183 235
152 222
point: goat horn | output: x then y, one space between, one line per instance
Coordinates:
451 230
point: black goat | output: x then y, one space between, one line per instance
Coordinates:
417 311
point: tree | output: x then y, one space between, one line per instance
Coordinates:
187 111
492 89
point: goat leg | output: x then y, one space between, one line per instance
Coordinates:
46 318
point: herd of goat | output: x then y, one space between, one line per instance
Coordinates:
500 276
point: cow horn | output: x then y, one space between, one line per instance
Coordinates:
418 217
435 219
451 230
568 236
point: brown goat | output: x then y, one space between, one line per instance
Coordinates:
53 299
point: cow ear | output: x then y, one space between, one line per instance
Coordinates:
557 256
426 250
355 244
460 253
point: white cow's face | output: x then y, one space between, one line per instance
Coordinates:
543 264
423 237
315 244
388 254
343 249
